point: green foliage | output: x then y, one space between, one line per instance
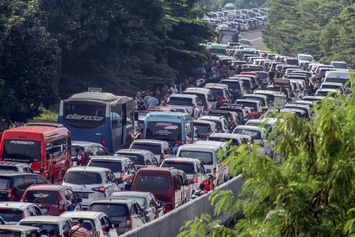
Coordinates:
46 115
219 4
324 29
311 193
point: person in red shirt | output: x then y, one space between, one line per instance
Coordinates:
208 183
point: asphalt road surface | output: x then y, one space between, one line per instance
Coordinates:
255 36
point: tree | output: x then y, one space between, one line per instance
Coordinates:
27 61
311 193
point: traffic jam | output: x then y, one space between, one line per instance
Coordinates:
114 163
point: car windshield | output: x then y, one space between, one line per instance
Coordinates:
216 92
8 168
205 157
152 182
82 178
340 65
246 84
200 96
292 61
4 183
11 215
248 104
114 166
305 58
263 75
110 209
142 201
77 151
232 85
22 151
180 101
135 158
42 226
166 131
261 100
188 168
40 196
256 135
154 148
202 128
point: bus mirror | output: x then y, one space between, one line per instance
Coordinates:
136 116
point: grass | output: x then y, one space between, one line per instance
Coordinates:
48 116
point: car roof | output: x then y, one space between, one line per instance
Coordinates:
46 219
113 201
255 95
229 135
88 168
255 128
264 120
183 96
210 143
332 83
47 187
157 170
84 143
11 174
208 147
208 117
197 90
153 141
18 205
133 151
182 159
109 158
18 227
130 193
12 163
203 122
82 214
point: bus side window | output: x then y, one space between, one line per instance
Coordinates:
116 120
56 148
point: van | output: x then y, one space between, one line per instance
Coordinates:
208 155
339 77
167 184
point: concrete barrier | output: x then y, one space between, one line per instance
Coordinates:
170 223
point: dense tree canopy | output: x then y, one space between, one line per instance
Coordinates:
312 193
50 48
324 29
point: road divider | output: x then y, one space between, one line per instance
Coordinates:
170 223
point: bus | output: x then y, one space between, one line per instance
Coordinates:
97 117
46 147
173 127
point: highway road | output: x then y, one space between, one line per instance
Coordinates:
255 36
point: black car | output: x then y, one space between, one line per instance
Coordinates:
13 184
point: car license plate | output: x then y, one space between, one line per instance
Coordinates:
83 195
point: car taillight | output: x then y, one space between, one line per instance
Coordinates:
162 157
128 222
10 194
195 180
99 189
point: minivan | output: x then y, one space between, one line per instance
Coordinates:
167 184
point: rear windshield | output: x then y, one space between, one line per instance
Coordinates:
41 197
8 168
205 157
136 159
202 128
77 151
261 100
256 135
142 201
216 92
111 210
248 104
22 151
4 183
42 226
79 177
154 148
180 101
188 168
232 85
113 166
152 182
11 215
10 233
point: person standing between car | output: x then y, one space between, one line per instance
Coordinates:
129 176
72 205
208 183
79 230
85 158
106 231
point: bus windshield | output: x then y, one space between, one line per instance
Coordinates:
166 131
22 151
84 114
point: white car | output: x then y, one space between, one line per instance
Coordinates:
13 212
60 225
92 220
160 149
90 183
305 58
193 169
191 102
221 122
259 136
19 231
78 148
205 96
339 77
332 85
340 65
208 155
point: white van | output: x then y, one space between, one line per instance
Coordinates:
207 154
339 77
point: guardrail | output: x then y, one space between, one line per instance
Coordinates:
170 223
